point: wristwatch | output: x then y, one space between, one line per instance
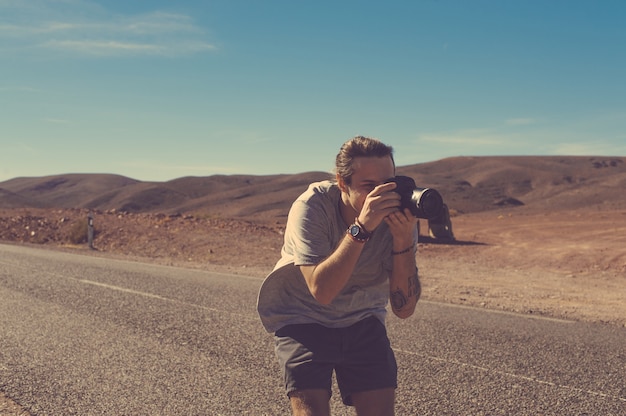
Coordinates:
358 233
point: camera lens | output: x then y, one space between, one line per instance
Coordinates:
429 203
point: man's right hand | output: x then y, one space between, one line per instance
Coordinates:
379 203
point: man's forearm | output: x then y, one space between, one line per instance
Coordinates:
404 284
326 279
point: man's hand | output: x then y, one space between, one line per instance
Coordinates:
402 227
380 203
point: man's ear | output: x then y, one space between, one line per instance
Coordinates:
341 183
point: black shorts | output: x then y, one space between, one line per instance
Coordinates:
360 355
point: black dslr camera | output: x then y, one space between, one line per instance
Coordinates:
424 203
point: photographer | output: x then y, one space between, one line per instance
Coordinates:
348 249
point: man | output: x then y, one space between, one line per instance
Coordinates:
348 249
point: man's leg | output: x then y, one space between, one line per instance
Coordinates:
367 375
310 402
374 402
307 353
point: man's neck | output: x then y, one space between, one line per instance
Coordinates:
347 212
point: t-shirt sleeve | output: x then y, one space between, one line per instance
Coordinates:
309 233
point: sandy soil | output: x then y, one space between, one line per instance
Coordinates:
564 264
568 265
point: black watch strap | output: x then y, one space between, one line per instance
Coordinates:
358 233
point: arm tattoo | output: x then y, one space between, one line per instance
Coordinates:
399 299
415 289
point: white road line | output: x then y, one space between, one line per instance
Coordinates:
512 375
153 296
123 289
495 311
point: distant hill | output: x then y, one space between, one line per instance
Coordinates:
539 183
468 184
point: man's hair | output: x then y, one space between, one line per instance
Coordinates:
358 146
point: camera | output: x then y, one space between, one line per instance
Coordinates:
424 203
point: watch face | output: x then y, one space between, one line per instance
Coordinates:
355 230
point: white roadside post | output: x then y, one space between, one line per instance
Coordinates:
90 230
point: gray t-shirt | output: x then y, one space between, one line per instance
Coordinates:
314 229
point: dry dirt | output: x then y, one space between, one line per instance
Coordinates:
568 264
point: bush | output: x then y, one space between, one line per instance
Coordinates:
78 232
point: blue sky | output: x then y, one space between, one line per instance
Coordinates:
157 90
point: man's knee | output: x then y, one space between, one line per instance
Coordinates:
375 402
310 402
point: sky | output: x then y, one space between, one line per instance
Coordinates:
156 90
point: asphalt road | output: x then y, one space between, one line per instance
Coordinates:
92 336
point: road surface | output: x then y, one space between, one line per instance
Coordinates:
83 335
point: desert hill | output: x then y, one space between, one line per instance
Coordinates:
468 185
536 235
475 184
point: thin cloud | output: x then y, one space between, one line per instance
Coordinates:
91 47
19 89
87 29
181 169
579 139
594 148
157 22
118 48
520 121
481 141
246 137
466 137
56 120
203 170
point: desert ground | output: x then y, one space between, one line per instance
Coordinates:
563 264
540 236
569 265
